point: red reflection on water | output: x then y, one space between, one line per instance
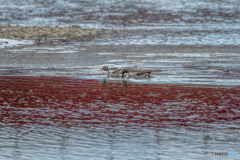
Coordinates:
71 102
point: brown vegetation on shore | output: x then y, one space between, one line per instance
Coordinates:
42 33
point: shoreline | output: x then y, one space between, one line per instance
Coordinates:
38 33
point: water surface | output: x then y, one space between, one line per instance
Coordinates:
152 22
56 104
68 118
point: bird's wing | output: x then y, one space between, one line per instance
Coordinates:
141 73
117 71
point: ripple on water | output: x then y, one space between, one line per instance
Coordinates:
154 22
59 117
67 117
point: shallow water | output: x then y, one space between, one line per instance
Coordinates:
152 22
168 66
59 117
55 103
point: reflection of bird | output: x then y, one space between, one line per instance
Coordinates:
117 73
105 82
124 83
136 75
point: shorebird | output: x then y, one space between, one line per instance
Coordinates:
136 75
116 73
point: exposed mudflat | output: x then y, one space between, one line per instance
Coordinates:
39 33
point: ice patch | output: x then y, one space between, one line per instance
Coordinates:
167 61
11 42
141 56
193 55
116 60
45 50
105 53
